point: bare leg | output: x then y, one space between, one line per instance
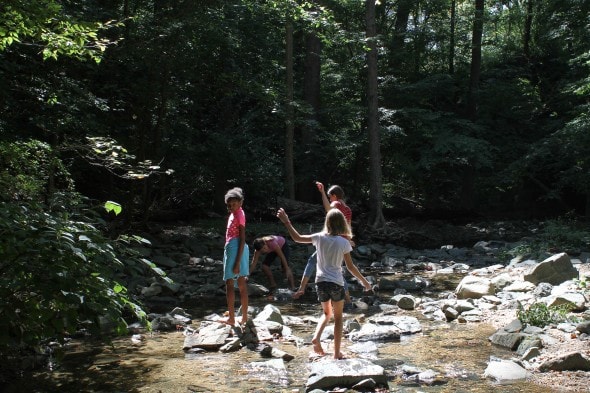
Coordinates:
337 308
347 298
268 273
310 268
289 275
231 298
243 286
324 319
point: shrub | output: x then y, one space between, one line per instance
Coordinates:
58 270
541 315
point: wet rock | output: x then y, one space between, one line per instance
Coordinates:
211 336
365 384
507 340
503 371
366 349
272 352
373 332
406 324
270 313
272 371
405 302
326 374
232 345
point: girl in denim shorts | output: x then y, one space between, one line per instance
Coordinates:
332 247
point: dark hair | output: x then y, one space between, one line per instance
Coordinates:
258 243
336 190
234 193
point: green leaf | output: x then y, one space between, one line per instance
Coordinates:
111 206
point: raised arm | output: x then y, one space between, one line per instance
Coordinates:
292 231
325 200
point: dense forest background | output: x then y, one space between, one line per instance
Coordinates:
439 108
489 120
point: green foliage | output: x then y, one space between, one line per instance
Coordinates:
200 88
59 273
582 284
31 171
564 234
114 207
541 315
44 23
108 153
526 249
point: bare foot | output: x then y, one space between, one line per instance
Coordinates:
339 356
229 321
317 347
298 294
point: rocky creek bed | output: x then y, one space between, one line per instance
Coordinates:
422 292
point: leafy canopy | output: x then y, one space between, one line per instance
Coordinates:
44 23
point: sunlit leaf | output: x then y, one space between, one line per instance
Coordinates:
111 206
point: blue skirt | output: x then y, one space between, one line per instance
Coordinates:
229 256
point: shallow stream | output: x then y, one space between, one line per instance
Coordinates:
457 352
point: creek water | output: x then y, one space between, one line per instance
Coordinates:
457 352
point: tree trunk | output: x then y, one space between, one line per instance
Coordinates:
475 60
452 38
376 219
311 95
290 121
528 23
468 181
402 16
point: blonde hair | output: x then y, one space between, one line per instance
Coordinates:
336 224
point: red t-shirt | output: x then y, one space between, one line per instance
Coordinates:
343 207
234 222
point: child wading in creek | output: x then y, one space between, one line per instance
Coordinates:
332 247
334 198
273 247
235 255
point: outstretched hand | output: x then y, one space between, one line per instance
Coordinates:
368 288
282 215
320 186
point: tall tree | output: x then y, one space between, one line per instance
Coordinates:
452 37
311 96
528 23
289 140
475 59
400 29
376 218
468 178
